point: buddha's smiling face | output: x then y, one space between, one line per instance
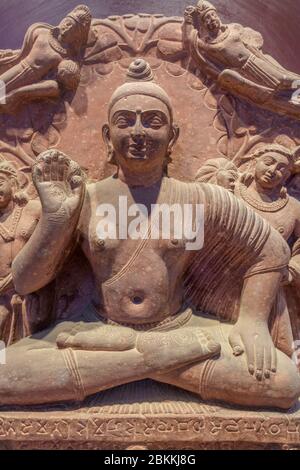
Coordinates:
140 131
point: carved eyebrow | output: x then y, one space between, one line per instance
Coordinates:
154 113
125 113
269 157
134 111
145 115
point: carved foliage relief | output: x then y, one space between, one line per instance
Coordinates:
213 122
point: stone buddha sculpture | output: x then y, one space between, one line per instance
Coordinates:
143 325
232 55
48 62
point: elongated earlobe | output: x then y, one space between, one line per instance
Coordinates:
172 142
109 147
175 134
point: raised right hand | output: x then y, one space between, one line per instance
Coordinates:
59 183
189 13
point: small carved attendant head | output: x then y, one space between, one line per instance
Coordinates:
219 171
273 166
75 26
9 185
208 16
140 134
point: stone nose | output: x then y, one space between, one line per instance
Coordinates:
138 132
271 171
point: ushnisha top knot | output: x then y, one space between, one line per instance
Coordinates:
140 70
140 81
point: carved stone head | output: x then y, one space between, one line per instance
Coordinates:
75 26
219 171
207 14
273 165
81 15
9 185
140 134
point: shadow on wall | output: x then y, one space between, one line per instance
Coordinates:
278 21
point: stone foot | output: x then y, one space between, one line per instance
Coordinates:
98 338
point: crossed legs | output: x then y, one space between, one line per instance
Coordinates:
50 366
227 378
38 370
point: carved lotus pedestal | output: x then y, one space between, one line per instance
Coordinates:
150 416
238 113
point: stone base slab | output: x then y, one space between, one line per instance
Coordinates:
151 416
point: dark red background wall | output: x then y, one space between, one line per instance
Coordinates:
277 20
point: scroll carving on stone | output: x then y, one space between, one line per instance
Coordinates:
109 127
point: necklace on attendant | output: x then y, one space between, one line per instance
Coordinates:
56 46
8 234
260 205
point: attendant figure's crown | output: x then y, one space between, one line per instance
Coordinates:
8 169
203 7
82 15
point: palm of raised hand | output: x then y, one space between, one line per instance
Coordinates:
59 183
189 13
